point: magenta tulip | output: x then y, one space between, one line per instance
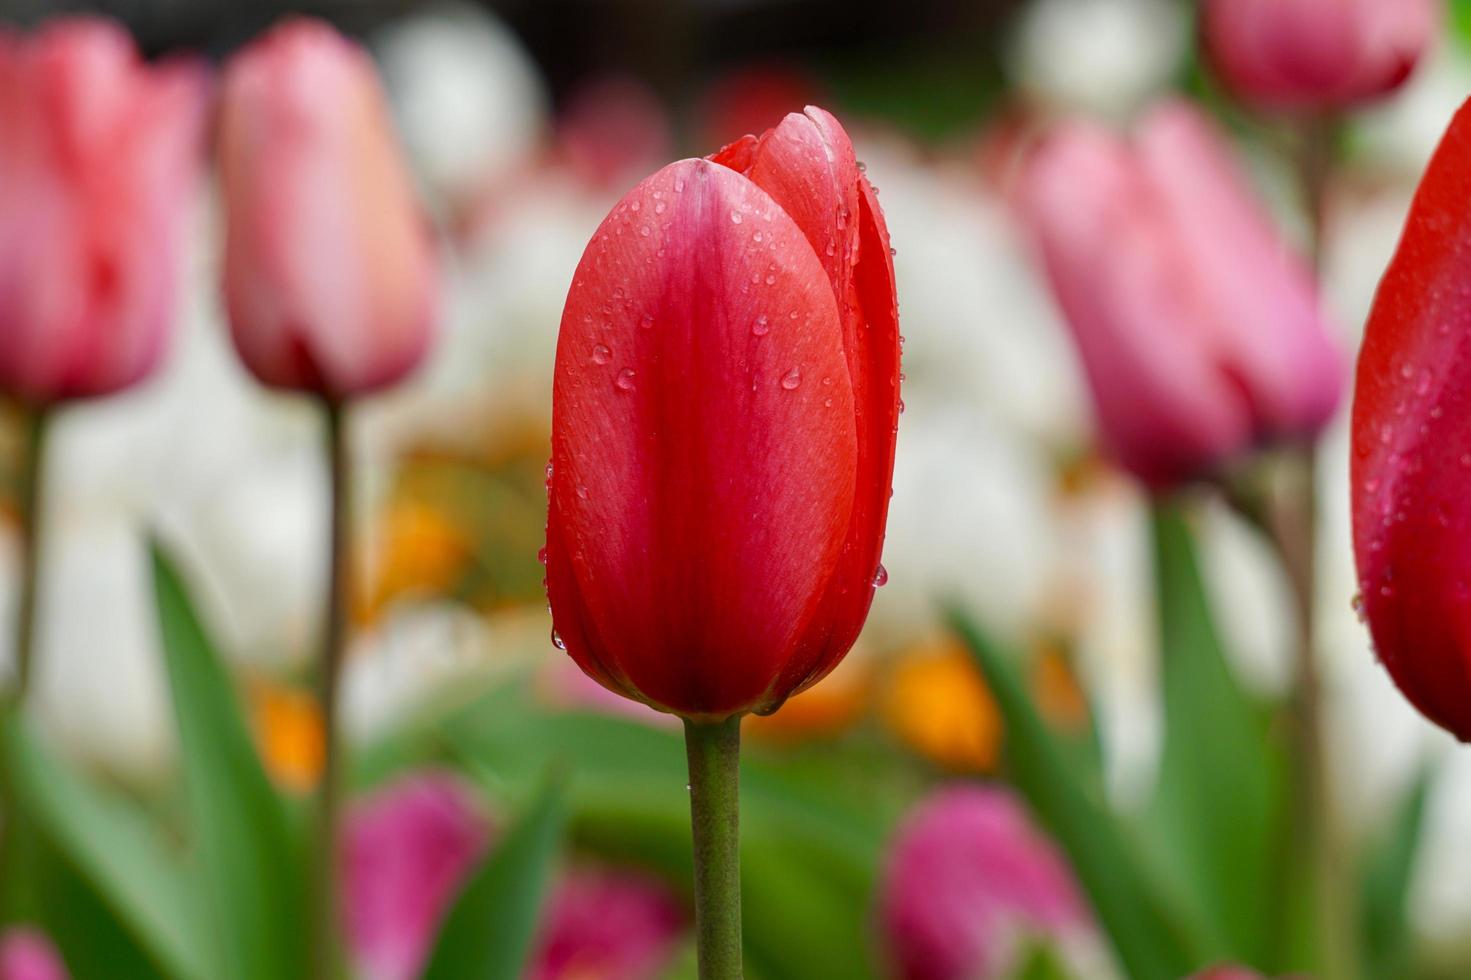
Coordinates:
1316 54
99 155
26 954
1200 332
330 269
967 878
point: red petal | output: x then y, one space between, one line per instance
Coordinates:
806 164
871 340
1411 466
703 443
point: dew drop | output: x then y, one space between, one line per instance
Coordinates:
761 328
758 238
770 279
679 186
792 315
581 492
660 207
625 380
792 380
557 640
541 556
647 322
901 406
736 218
1358 607
602 354
893 250
635 205
881 577
827 403
827 381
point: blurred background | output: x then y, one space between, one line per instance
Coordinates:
526 120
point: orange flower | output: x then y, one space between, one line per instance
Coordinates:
288 733
423 551
938 704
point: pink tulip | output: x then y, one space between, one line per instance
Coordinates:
26 954
1316 54
330 271
408 850
612 925
99 155
1199 331
968 877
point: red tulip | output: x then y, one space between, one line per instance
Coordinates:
99 155
330 272
1316 53
1411 464
1199 332
724 409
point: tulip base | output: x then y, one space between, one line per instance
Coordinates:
714 762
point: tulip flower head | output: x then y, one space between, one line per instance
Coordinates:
724 411
1200 333
99 159
1316 54
26 954
968 878
1411 464
330 271
409 849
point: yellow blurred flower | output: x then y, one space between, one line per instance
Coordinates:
1057 692
423 551
288 732
938 704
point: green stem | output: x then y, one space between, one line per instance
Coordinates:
325 949
30 504
714 752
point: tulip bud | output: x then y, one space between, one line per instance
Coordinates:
724 409
409 849
967 880
1411 463
330 272
99 155
1316 54
26 954
1199 332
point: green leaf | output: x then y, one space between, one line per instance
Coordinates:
488 932
103 866
1388 867
1219 813
1153 939
249 865
1041 961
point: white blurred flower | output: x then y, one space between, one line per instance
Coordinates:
468 99
1106 56
1401 134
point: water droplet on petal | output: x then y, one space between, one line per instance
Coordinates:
881 577
602 354
735 218
647 322
679 186
541 556
761 328
625 380
770 280
792 380
557 640
581 492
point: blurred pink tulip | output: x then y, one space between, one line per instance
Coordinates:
614 131
608 925
407 851
330 270
967 878
99 155
1200 333
1316 54
26 954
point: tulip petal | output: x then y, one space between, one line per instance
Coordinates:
704 443
1411 460
1166 408
871 341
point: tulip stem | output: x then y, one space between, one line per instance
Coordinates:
30 504
325 950
714 752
